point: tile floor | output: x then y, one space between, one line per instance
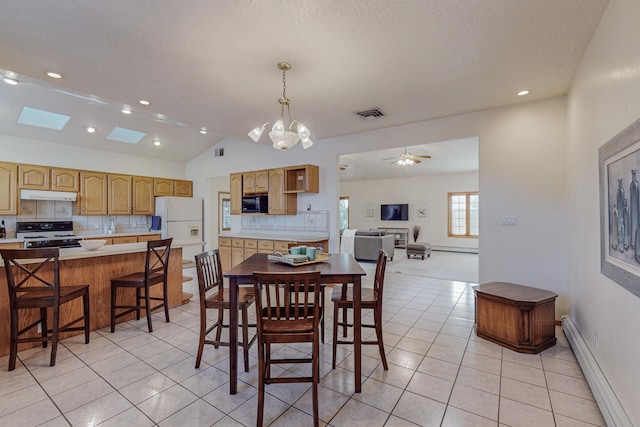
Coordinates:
440 374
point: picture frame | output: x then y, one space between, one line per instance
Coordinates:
619 173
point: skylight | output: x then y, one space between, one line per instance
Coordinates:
41 118
125 135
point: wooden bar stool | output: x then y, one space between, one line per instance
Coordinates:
155 273
33 285
287 311
213 295
342 298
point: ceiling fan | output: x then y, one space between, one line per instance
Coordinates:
407 159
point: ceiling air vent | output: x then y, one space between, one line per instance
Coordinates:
372 114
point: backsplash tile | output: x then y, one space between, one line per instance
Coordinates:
304 221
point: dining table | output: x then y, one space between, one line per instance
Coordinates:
338 268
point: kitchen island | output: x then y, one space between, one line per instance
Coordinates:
96 268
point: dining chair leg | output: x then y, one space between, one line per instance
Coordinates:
87 317
54 335
138 298
316 379
335 334
13 351
113 309
203 330
219 327
378 327
165 302
148 308
43 326
261 378
322 288
245 337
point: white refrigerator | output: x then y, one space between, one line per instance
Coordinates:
182 219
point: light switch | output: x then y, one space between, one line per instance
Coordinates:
509 220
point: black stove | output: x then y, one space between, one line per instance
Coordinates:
47 234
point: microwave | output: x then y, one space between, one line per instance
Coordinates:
255 204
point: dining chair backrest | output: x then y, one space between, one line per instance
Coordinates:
378 279
157 261
209 269
31 277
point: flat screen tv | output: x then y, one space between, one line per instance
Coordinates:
397 212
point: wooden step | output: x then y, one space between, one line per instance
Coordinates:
186 296
186 279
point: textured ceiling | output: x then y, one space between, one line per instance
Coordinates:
213 63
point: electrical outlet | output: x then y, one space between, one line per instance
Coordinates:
509 220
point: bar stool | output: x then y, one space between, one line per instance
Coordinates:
210 281
342 298
34 286
155 273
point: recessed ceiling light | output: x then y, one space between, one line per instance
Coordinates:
144 102
523 92
156 142
204 130
54 75
90 129
11 81
126 110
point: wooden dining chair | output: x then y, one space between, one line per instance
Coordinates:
155 272
323 286
213 295
36 285
287 311
342 297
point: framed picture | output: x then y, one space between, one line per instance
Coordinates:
422 213
619 161
369 213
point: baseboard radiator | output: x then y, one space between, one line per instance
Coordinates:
610 407
454 249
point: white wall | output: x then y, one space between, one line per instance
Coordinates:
429 191
21 150
604 100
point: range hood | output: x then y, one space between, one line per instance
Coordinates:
65 196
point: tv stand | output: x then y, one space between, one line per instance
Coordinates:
400 236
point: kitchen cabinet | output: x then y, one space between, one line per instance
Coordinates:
148 237
14 245
280 203
118 240
129 195
142 196
8 188
235 185
93 193
65 179
162 187
34 177
119 194
172 187
224 247
182 188
302 179
256 182
265 246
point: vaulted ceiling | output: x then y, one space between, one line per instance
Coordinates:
212 64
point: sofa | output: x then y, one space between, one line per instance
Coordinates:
367 243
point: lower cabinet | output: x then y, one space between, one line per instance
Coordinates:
118 240
235 250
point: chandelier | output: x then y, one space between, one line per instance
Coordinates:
282 138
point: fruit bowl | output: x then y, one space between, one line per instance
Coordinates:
92 245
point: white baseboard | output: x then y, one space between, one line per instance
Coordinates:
455 249
610 407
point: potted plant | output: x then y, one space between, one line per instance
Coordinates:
416 232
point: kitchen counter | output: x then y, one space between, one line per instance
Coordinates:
96 268
280 237
101 235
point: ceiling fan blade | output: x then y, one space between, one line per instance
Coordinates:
390 158
423 157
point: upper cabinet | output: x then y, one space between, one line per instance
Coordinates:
235 186
302 179
255 182
279 202
172 187
8 189
182 188
34 177
130 195
93 193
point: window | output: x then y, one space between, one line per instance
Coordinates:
224 211
463 214
344 213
